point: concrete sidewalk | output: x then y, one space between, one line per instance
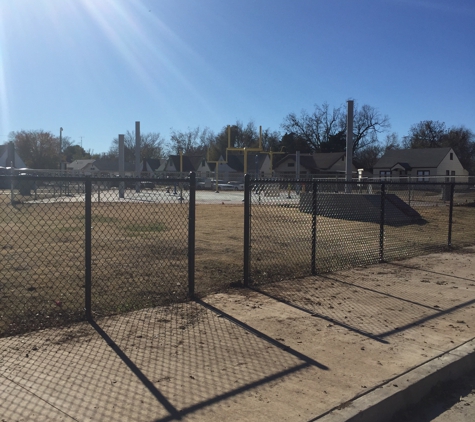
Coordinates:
358 344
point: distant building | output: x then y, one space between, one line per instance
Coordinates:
321 165
9 157
153 166
421 164
258 165
109 167
195 163
80 166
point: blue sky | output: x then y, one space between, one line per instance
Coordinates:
94 67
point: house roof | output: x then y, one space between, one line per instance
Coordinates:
154 163
420 157
112 164
190 162
236 162
6 162
79 164
314 162
326 160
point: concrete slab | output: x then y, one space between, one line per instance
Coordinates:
293 351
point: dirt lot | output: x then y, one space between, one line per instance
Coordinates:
289 352
140 251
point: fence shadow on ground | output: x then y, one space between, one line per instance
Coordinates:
155 364
354 302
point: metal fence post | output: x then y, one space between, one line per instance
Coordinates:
381 223
247 227
314 226
451 209
88 241
191 236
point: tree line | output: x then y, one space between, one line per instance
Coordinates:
321 130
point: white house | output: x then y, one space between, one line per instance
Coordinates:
9 160
421 164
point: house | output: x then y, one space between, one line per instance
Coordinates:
323 165
9 157
258 165
152 166
188 163
109 167
80 166
422 164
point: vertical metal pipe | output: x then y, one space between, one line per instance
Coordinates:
137 155
88 250
349 145
191 236
121 166
314 226
381 223
247 228
451 210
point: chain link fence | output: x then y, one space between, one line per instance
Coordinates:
73 248
76 247
301 228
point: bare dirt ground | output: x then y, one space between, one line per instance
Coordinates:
290 351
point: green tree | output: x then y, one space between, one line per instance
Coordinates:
75 152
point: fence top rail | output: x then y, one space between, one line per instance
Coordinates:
358 182
66 178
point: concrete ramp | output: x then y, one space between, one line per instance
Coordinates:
361 207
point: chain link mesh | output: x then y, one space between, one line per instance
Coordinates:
140 239
300 228
139 248
42 252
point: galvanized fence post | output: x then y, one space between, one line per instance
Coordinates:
247 227
381 223
314 226
451 209
88 251
191 236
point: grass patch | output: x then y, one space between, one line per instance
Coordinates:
138 229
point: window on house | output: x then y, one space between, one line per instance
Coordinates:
422 175
447 172
290 164
451 155
384 174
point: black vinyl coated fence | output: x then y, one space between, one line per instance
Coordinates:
300 228
82 248
77 248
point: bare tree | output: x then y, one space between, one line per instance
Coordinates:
151 146
425 134
324 129
191 142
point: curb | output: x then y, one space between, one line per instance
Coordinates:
408 389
